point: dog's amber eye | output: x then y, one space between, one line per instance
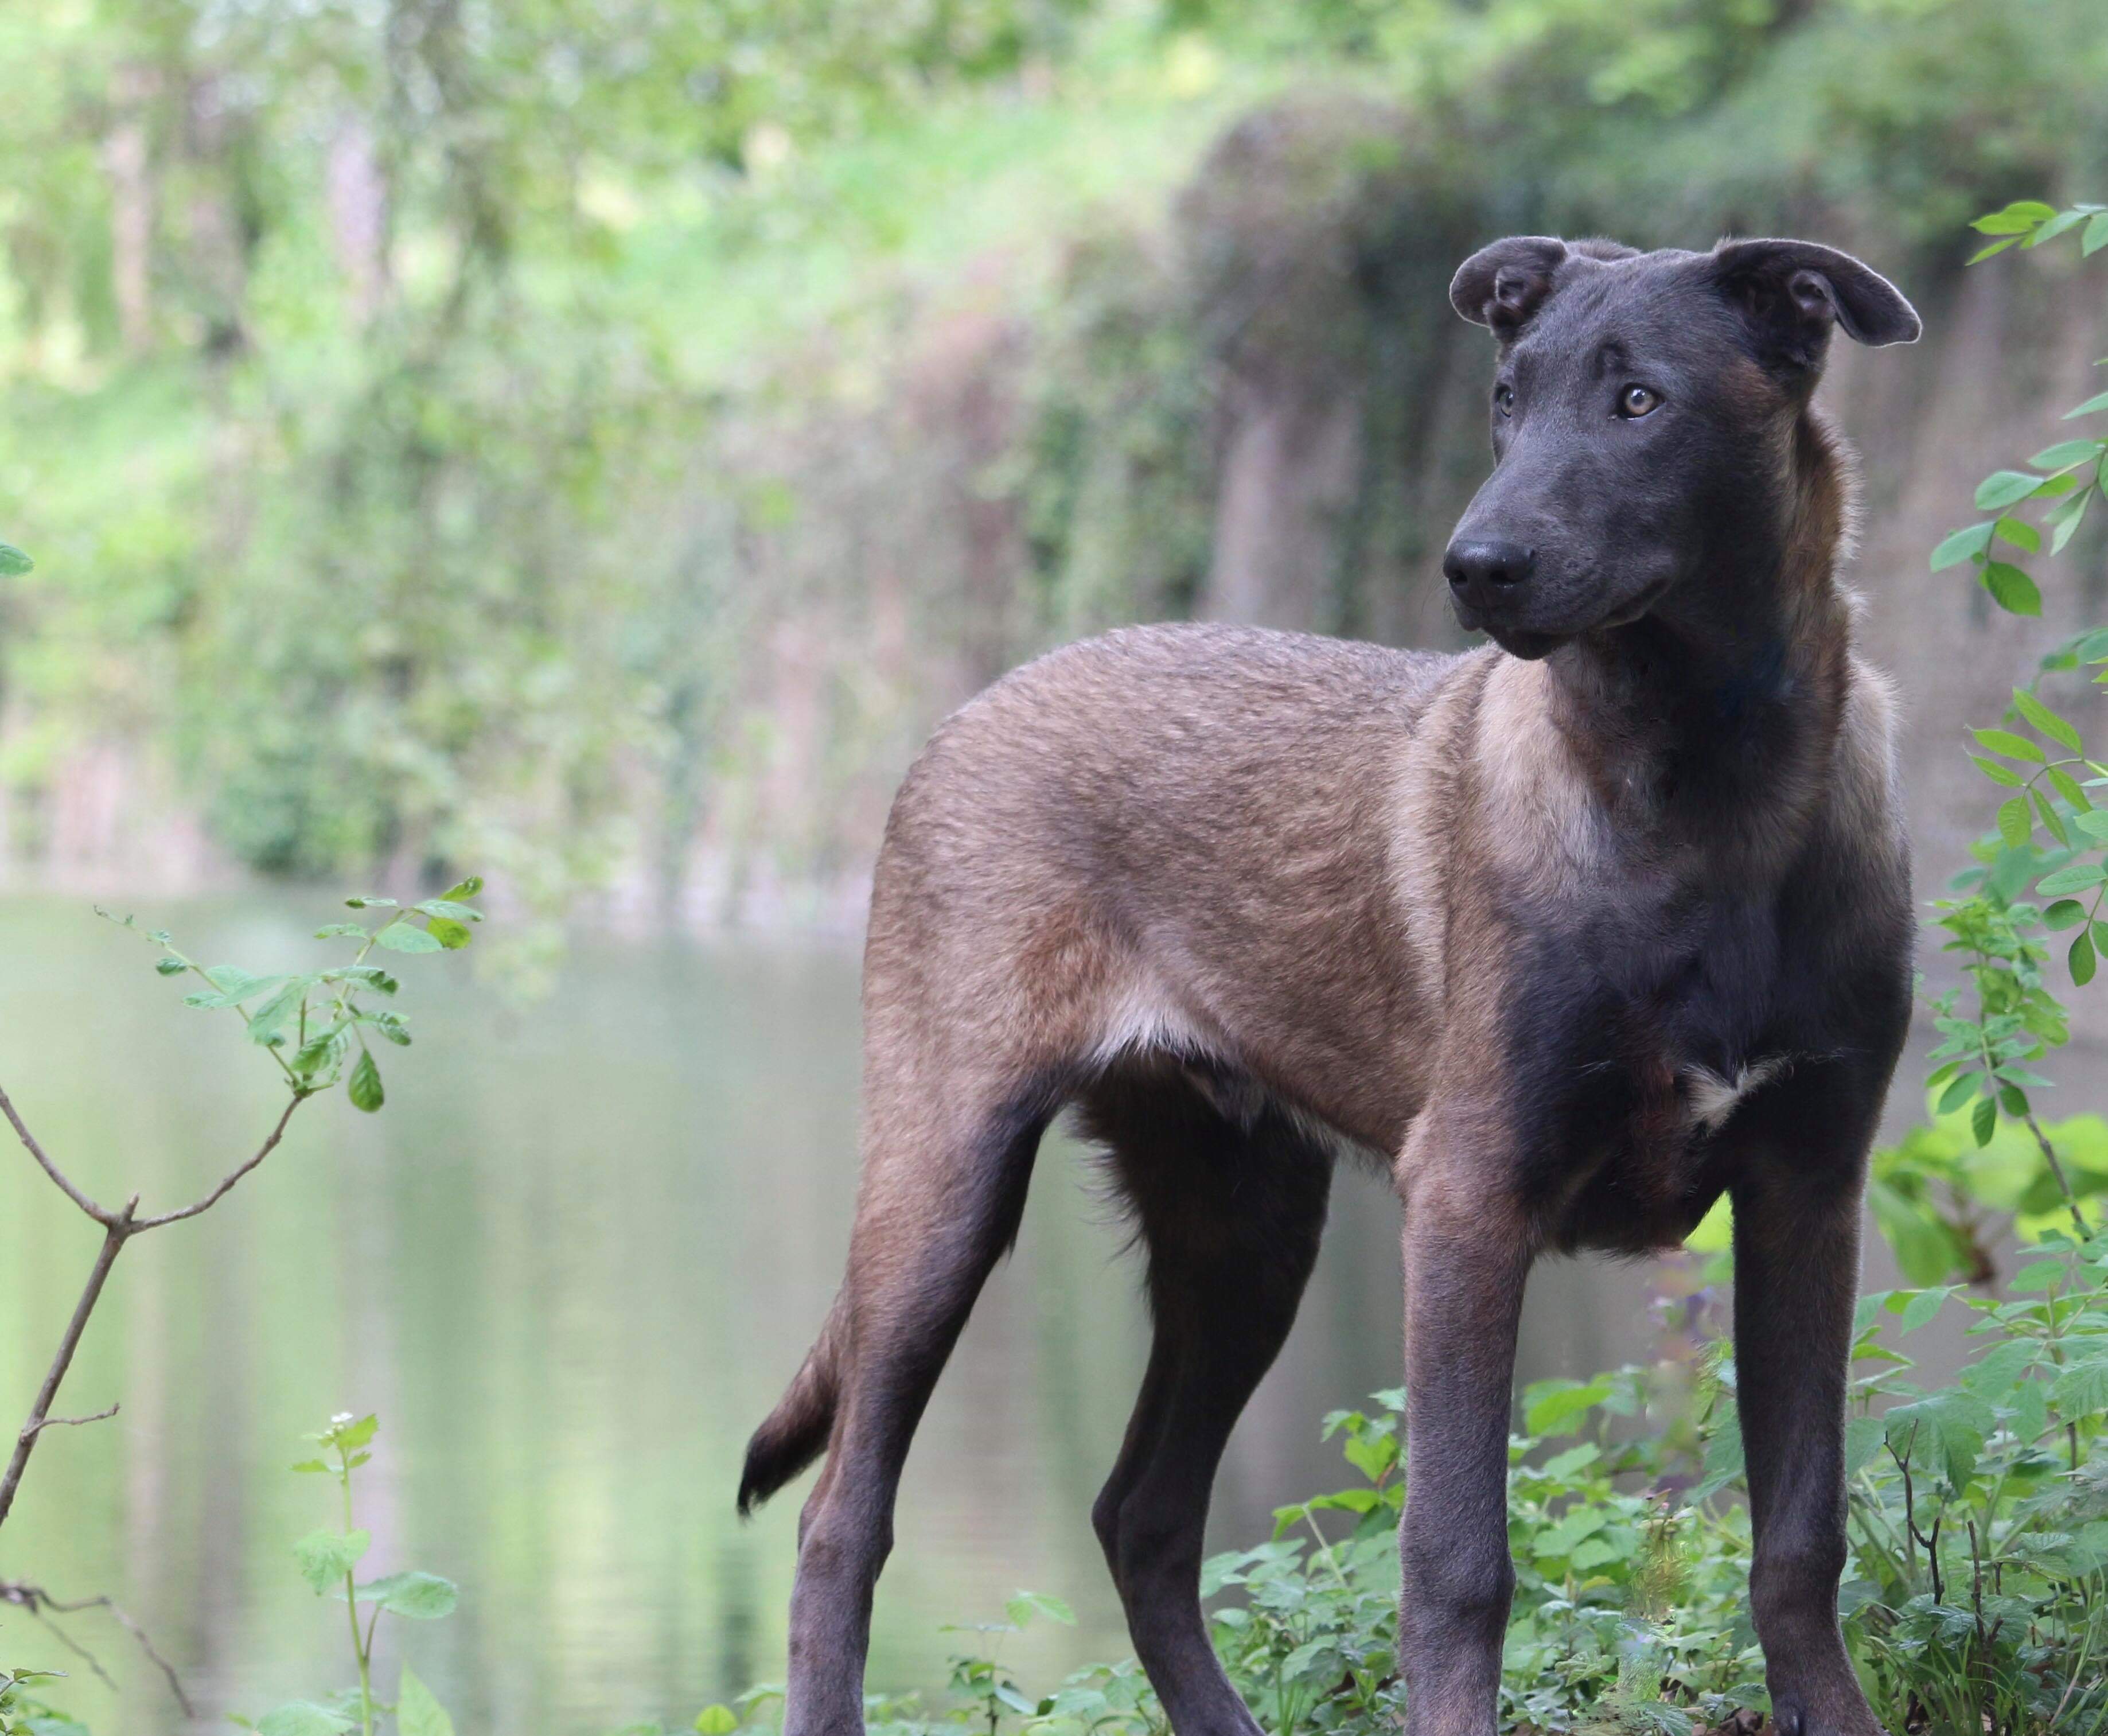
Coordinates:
1637 401
1504 399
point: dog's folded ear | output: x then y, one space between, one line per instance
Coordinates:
1793 292
1503 285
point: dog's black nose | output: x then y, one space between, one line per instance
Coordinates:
1481 566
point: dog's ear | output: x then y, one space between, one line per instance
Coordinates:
1503 286
1793 292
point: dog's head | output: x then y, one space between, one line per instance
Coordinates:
1643 412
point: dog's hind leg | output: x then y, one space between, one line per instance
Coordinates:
1232 1212
946 1167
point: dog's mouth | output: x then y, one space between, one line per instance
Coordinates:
1528 647
1537 639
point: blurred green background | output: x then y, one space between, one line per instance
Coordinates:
591 442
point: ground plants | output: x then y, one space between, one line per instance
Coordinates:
329 1563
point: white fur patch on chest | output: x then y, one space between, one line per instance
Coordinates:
1712 1098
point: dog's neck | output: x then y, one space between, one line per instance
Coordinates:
1720 707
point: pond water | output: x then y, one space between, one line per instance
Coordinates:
570 1266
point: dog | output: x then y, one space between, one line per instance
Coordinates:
1577 930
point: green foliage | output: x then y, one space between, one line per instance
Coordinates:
463 523
317 1024
22 1714
328 1560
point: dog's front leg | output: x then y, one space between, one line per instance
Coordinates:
1796 1275
1466 1258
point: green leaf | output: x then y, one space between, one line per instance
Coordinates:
332 931
1026 1604
2020 534
1862 1440
2066 518
2048 722
319 1053
2097 401
2063 913
2066 453
421 1597
2068 787
1982 254
2051 819
1982 1119
302 1718
371 903
449 934
13 562
2038 1274
309 1466
2057 226
1921 1309
2081 960
400 936
2016 219
267 1025
447 907
2097 234
1945 1430
325 1557
2014 825
1961 545
716 1720
1998 774
1554 1407
230 987
1959 1090
1723 1454
357 1434
2010 589
365 1087
170 966
418 1714
2001 488
2081 1392
2075 877
467 888
2004 741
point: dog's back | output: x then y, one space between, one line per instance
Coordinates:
1175 839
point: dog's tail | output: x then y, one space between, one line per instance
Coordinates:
795 1433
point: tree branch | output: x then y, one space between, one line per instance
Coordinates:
221 1191
100 1416
42 1605
51 1169
40 1409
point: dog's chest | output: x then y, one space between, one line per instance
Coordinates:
1635 1038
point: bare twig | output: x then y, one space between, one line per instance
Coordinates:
2057 1168
51 1169
72 1645
100 1416
40 1407
221 1191
42 1605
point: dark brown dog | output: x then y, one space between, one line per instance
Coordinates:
1578 933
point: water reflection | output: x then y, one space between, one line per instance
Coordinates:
571 1265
